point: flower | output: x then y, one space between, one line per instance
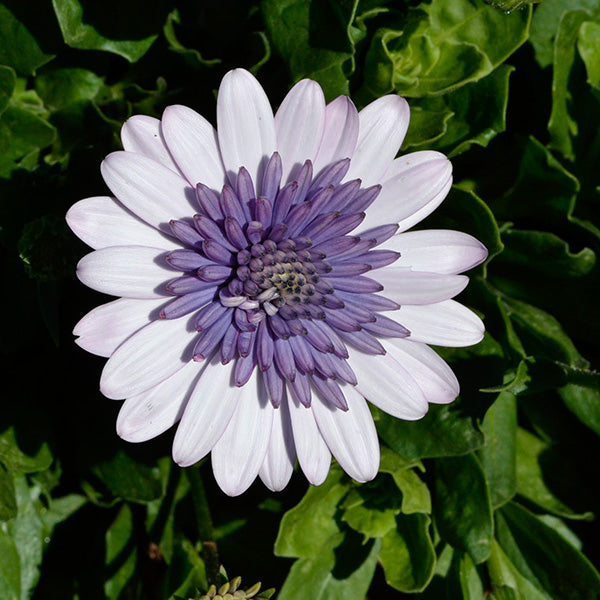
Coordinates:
267 285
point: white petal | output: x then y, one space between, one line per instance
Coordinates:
192 141
106 327
418 287
208 411
350 435
429 370
383 125
445 323
299 126
314 456
148 357
426 209
408 161
128 271
143 135
150 413
240 452
148 189
384 382
245 124
437 250
340 134
278 465
408 192
101 222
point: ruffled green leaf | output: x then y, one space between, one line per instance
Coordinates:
441 46
588 45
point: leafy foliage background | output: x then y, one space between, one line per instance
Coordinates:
491 496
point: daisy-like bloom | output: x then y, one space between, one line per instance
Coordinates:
267 286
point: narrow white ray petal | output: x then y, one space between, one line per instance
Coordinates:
437 250
408 161
314 456
101 222
106 327
426 209
429 370
299 126
350 435
383 125
192 141
128 271
148 357
408 192
417 287
446 323
238 455
278 465
245 124
150 413
143 135
340 133
384 382
148 189
207 413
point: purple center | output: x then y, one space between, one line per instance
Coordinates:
276 281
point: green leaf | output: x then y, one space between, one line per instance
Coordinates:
470 581
121 553
443 431
552 559
479 112
191 55
545 23
510 5
307 526
498 456
415 493
368 512
23 453
8 502
407 555
128 479
22 131
584 403
429 119
441 46
462 509
505 577
342 570
18 48
543 254
10 577
588 45
560 125
541 334
531 480
7 86
61 88
32 528
78 34
314 39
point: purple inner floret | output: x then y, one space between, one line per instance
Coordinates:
277 281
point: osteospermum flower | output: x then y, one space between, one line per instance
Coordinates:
267 286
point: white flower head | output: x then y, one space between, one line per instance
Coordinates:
267 288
